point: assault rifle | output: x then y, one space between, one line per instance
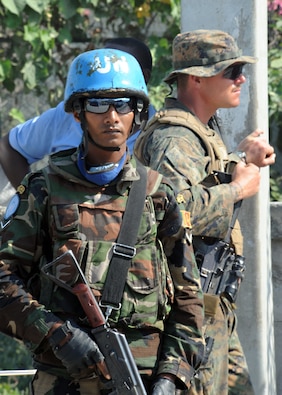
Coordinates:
125 378
221 270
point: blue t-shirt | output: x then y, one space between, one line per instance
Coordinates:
53 131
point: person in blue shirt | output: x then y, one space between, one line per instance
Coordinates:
55 130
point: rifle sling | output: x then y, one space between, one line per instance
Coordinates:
237 207
124 249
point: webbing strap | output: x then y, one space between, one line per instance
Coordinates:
124 249
237 207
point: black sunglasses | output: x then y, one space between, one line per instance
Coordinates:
234 71
122 105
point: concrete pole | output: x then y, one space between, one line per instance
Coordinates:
246 21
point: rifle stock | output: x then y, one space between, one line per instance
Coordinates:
89 304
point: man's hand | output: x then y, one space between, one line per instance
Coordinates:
77 351
257 149
13 163
245 180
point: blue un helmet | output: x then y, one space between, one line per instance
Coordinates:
105 73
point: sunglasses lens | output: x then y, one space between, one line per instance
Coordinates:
96 106
101 106
123 107
233 72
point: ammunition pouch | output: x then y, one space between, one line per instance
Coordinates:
221 270
211 303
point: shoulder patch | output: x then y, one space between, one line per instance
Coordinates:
186 219
21 189
180 198
12 207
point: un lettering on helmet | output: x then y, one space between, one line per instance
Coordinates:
119 66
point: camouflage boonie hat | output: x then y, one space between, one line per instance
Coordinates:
204 53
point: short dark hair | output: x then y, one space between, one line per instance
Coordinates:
135 47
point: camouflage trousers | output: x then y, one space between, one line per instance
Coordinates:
226 371
46 384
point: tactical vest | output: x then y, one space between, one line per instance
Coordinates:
215 148
213 143
86 219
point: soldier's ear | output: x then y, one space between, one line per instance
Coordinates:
195 79
77 108
76 116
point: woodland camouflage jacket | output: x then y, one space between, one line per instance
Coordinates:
175 149
57 209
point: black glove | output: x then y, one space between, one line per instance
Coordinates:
163 387
78 353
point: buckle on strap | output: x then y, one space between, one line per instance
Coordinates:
109 308
124 250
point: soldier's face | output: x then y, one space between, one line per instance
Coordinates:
222 92
111 128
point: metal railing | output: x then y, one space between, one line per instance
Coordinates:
23 372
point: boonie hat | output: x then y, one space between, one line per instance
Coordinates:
204 53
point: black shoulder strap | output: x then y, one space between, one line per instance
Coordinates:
237 207
124 249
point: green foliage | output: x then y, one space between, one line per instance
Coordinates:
17 115
275 94
275 66
40 38
9 389
14 356
276 187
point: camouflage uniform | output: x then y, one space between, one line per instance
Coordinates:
162 301
182 156
187 155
